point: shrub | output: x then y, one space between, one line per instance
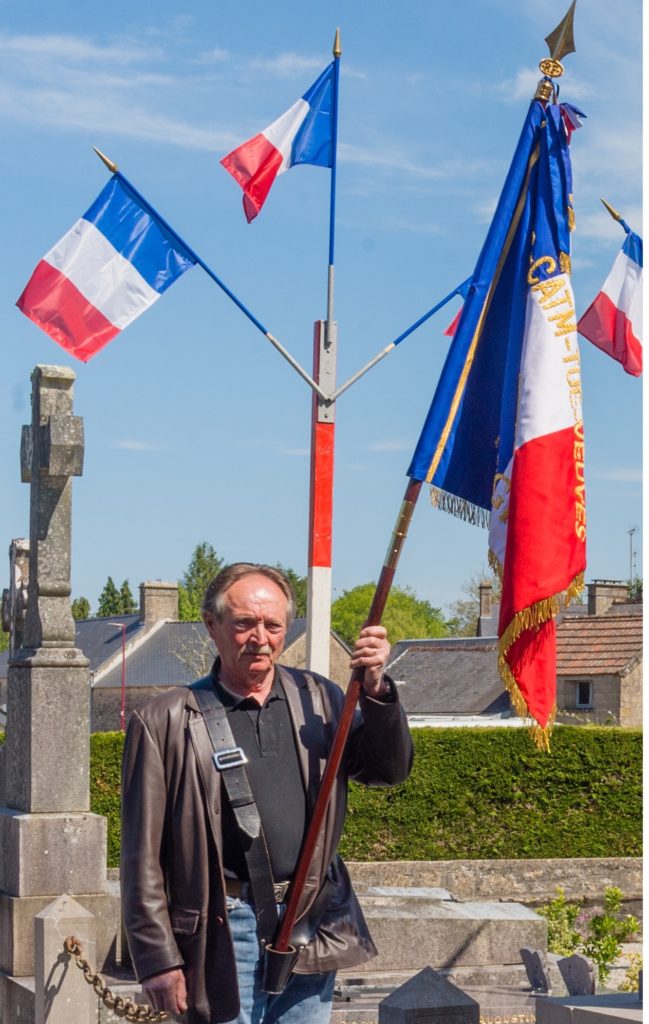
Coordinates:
598 934
489 793
105 786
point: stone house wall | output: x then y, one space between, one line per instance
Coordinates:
606 699
106 705
631 697
295 657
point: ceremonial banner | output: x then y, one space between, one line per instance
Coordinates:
503 442
303 135
113 264
613 321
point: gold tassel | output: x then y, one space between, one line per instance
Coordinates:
532 618
565 263
494 563
459 507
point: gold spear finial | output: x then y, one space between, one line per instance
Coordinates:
614 214
337 50
109 163
560 42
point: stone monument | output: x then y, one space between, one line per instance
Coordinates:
50 843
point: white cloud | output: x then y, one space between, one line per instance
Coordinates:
215 56
136 446
389 445
299 452
286 65
67 49
629 475
384 158
108 114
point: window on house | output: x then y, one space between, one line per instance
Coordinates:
584 695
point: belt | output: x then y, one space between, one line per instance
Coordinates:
241 890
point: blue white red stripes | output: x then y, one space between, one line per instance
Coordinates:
111 266
613 321
303 135
503 441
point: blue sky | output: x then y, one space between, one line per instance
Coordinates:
196 429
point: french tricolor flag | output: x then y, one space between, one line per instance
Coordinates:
113 264
613 321
303 135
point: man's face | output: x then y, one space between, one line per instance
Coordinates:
250 636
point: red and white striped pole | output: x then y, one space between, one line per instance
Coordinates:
321 500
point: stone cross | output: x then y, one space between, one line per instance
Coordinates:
50 843
47 686
51 453
14 598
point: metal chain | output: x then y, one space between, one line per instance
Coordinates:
120 1007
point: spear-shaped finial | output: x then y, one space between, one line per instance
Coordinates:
337 50
560 42
614 214
112 167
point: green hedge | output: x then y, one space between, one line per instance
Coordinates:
105 786
489 793
472 794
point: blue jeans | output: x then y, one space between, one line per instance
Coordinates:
305 1000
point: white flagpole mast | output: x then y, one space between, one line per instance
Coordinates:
319 583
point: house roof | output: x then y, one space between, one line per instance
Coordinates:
99 639
599 644
173 655
456 676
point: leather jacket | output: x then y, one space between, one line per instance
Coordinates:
173 891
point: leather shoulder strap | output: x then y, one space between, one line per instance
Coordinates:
230 760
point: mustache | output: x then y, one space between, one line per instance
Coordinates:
257 649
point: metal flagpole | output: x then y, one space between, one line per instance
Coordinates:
323 440
112 167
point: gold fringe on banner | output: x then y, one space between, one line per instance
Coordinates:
532 618
459 507
494 563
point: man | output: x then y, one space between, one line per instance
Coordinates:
186 889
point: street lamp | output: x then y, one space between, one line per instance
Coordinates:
631 532
122 712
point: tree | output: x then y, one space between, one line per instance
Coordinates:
127 601
203 567
81 608
109 600
299 587
4 640
405 616
635 589
465 612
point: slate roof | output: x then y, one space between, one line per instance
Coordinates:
455 676
97 638
600 645
100 640
173 655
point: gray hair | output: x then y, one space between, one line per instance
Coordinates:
214 600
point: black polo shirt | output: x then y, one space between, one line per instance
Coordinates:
265 734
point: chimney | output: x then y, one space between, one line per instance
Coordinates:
603 593
158 601
486 597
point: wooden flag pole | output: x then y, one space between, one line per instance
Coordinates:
377 608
